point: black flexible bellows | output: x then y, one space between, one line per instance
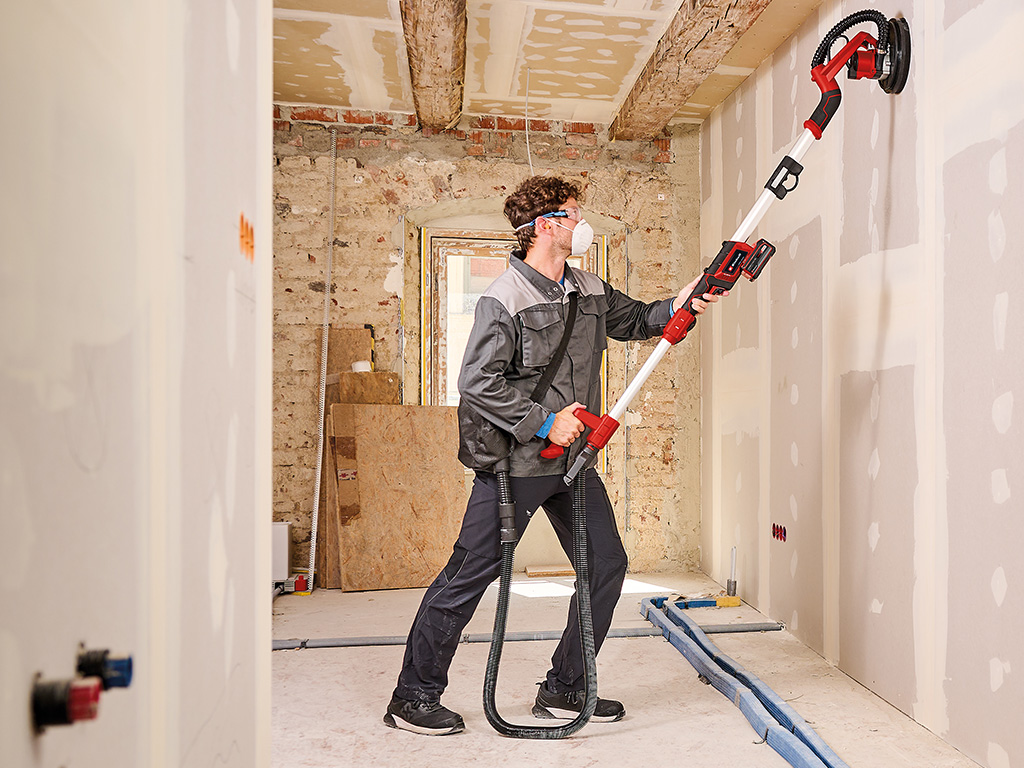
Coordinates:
850 21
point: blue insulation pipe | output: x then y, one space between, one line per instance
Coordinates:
773 719
786 716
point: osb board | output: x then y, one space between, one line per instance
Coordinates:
344 347
339 489
338 500
346 476
365 387
412 496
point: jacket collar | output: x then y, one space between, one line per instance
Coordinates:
548 288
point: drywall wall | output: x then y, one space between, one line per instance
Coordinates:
393 178
873 368
135 378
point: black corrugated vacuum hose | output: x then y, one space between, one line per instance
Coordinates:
850 21
508 546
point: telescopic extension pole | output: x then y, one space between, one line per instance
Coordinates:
886 59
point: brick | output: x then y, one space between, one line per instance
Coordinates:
346 142
485 122
356 117
581 140
396 144
591 154
663 145
410 121
382 118
366 143
578 127
315 114
663 157
476 150
571 153
511 124
542 126
282 125
477 137
277 112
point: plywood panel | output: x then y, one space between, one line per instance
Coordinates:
328 568
339 481
411 496
366 387
344 347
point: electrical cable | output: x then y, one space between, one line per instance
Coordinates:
323 369
526 110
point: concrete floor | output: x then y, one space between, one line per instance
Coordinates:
328 703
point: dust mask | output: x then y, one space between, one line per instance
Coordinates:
582 236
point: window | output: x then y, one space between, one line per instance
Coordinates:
457 267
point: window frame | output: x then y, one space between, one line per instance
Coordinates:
434 282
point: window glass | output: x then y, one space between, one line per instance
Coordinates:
458 266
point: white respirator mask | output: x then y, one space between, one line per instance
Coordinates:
582 236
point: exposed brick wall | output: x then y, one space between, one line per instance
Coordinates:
387 166
484 137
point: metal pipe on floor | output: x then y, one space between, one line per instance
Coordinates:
522 636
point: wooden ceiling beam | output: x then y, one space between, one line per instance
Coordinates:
435 38
697 40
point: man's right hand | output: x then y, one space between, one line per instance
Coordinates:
566 427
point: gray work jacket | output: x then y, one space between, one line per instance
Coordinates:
518 325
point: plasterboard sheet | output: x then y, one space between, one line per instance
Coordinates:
794 94
876 526
880 196
741 468
796 417
984 392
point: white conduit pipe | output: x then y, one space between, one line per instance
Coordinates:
323 371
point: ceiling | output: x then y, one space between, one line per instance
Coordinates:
581 58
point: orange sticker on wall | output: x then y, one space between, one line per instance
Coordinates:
246 238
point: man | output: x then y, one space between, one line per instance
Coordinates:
518 324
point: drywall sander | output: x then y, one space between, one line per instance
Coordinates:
885 59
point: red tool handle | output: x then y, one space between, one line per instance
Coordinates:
601 430
824 76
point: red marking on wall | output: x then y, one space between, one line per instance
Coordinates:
246 238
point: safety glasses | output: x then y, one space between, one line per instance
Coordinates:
569 213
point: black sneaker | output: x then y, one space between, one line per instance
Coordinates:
427 717
566 706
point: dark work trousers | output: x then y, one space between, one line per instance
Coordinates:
450 601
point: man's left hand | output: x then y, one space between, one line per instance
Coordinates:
699 305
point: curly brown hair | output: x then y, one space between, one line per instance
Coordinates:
535 197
